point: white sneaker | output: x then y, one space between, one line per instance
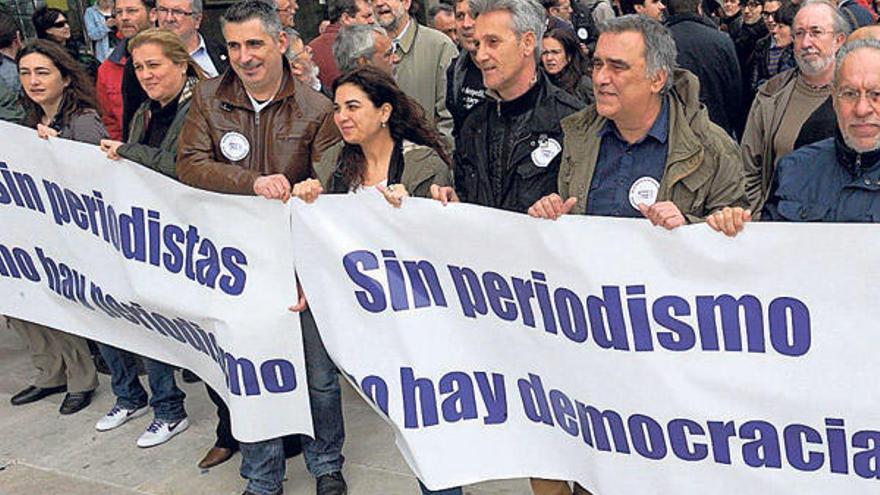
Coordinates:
160 432
117 417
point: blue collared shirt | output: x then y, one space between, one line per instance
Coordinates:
621 164
203 60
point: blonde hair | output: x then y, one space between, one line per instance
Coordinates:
171 47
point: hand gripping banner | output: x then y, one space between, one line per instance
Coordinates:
626 357
120 254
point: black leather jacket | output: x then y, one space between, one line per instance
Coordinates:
504 155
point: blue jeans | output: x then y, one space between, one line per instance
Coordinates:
448 491
263 463
167 400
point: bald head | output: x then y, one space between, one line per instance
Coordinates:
871 32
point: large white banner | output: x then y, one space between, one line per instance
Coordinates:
120 254
629 358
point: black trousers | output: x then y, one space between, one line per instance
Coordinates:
225 440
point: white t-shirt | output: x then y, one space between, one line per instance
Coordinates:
365 189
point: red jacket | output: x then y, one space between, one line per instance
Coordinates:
322 54
109 89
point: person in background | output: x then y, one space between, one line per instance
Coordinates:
363 44
442 19
388 146
52 24
101 28
424 55
655 9
10 44
183 18
794 108
59 102
116 86
565 64
341 13
731 21
745 40
779 54
464 80
168 74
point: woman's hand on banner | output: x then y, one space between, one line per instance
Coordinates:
45 132
308 190
394 193
443 194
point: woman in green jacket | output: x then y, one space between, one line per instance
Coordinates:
387 146
168 74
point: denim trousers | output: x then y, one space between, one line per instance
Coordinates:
167 398
263 463
448 491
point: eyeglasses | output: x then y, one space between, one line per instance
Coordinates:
59 24
814 33
851 96
766 14
173 12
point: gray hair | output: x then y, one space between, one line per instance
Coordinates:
838 22
353 42
848 49
528 17
660 51
246 10
197 6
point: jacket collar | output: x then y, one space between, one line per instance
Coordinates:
119 54
853 161
691 17
409 36
231 90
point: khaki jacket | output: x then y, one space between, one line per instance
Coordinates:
286 137
425 54
764 121
703 167
422 167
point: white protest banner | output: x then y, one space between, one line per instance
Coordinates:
626 357
120 254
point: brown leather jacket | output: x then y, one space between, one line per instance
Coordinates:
286 137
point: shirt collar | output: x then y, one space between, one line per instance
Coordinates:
659 130
201 47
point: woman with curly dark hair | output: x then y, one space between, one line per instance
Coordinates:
59 102
59 98
566 65
388 145
52 24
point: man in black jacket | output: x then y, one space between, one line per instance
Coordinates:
508 152
711 56
464 80
183 17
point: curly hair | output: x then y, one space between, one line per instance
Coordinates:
407 121
78 95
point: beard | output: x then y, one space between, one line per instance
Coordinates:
852 143
815 66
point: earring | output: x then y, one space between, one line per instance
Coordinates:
383 125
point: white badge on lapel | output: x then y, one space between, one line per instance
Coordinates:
546 151
643 191
234 146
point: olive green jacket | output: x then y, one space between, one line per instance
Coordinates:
164 158
422 167
704 170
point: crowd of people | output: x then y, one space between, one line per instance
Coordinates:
674 111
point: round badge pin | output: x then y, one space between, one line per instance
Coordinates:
234 146
643 191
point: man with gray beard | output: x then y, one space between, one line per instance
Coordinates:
793 108
836 179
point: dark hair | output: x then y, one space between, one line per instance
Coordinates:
629 6
407 121
79 95
44 19
335 9
8 29
785 14
246 10
674 7
440 7
577 66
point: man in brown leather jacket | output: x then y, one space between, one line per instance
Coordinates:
257 130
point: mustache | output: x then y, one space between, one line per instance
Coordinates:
249 64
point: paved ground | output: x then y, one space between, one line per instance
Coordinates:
44 453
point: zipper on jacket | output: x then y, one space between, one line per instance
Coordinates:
858 165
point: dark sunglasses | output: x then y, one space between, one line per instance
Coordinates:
59 24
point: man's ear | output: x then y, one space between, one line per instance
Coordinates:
658 81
